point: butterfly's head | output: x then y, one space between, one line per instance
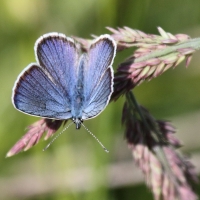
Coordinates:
78 121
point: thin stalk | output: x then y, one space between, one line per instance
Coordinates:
156 135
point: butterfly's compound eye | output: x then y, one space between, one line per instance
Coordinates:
78 122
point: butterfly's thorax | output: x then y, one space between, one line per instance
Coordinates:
78 92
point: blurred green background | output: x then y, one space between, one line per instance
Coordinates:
75 167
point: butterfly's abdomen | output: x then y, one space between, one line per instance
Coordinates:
78 93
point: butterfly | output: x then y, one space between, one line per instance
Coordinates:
65 83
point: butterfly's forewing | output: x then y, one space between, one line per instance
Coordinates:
57 54
98 80
41 89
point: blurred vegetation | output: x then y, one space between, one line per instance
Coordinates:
173 94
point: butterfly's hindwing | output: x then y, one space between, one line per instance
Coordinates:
100 97
35 94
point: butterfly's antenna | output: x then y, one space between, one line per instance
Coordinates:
57 136
95 138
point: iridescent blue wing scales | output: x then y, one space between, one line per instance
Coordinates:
36 94
98 79
58 56
100 97
42 89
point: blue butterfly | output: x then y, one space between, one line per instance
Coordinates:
65 84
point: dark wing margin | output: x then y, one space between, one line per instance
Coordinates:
35 94
98 79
